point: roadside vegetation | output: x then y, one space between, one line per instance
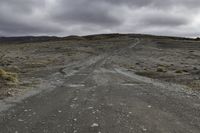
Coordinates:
8 77
8 83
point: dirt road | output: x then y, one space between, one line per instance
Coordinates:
98 96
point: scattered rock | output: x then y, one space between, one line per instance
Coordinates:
20 120
94 125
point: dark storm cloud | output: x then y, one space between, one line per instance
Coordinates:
64 17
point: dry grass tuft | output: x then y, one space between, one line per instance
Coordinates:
8 77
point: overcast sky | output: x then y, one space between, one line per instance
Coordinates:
81 17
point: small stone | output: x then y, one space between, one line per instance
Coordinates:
94 125
149 106
90 107
58 125
144 129
20 120
75 99
10 93
93 112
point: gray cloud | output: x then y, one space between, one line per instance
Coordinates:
86 12
21 6
13 29
165 20
65 17
157 3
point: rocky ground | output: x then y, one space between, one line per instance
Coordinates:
130 83
168 59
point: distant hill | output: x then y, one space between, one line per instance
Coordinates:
25 39
32 39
